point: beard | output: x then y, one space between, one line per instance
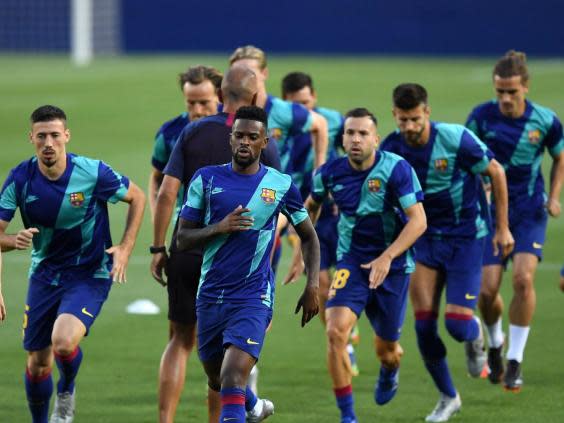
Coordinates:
244 162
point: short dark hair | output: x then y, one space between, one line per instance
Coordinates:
252 113
409 96
361 112
197 74
513 63
295 81
48 113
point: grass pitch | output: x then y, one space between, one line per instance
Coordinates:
114 108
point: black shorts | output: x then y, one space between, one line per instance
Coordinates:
183 276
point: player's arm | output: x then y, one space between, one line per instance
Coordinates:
155 181
320 138
309 300
502 236
414 228
556 179
190 235
2 306
121 252
20 241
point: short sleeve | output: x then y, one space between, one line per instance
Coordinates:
554 139
161 153
319 188
302 119
175 165
405 185
194 208
8 198
473 155
293 206
472 123
111 186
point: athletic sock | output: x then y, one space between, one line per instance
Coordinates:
433 352
495 334
38 391
251 399
462 327
517 340
345 401
233 405
68 369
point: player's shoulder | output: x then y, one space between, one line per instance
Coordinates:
23 171
334 166
87 164
450 132
279 107
544 114
390 157
276 175
172 127
334 118
485 110
392 141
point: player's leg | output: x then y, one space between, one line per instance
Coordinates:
212 368
463 280
183 271
39 383
386 313
521 312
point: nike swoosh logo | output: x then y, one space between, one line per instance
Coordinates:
84 311
537 245
251 342
217 191
470 297
226 419
31 198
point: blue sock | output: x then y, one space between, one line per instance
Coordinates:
68 368
38 391
345 401
233 405
462 327
250 399
433 352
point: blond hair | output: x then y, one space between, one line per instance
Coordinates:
249 52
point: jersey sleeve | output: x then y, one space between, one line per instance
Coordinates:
319 187
405 185
161 153
554 139
194 208
270 156
472 123
111 186
473 154
293 206
302 119
175 165
8 198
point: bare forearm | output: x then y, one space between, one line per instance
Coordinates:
556 178
162 216
320 137
313 209
191 238
411 231
154 184
7 242
499 190
311 255
133 221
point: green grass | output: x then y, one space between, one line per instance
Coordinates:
114 108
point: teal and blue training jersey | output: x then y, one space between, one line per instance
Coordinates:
70 213
448 167
299 148
519 145
236 267
285 120
371 204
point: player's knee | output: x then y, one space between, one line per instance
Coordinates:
461 327
214 384
184 336
337 335
523 283
38 365
63 346
232 379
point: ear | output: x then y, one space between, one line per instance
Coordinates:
265 73
31 137
265 143
68 134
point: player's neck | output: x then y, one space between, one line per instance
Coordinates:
424 138
261 98
366 164
518 113
54 172
247 170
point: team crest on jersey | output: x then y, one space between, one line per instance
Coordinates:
268 195
374 185
441 164
76 199
275 134
534 136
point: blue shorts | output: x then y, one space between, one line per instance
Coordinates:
83 299
221 325
529 234
384 306
327 233
459 260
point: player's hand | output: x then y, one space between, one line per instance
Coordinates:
235 221
158 265
553 207
25 237
2 308
379 269
121 258
296 267
503 238
309 301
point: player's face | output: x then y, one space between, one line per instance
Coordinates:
254 65
201 99
412 123
304 96
50 139
510 94
248 139
360 139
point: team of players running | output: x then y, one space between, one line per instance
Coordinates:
411 214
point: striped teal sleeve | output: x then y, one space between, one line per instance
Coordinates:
8 199
160 154
195 201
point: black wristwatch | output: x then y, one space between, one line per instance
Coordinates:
156 250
